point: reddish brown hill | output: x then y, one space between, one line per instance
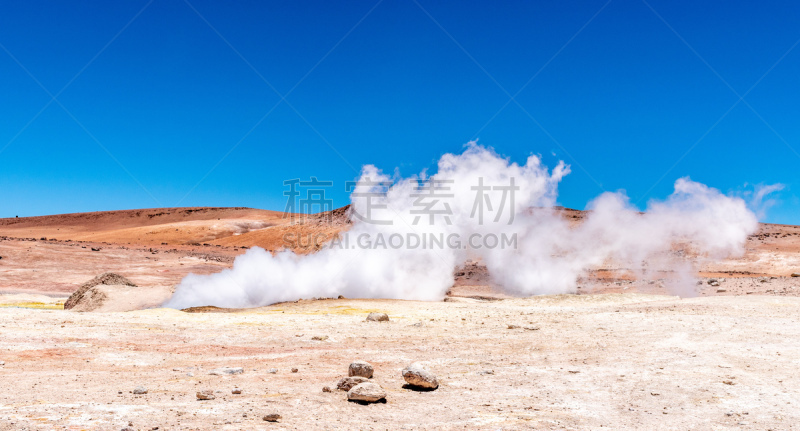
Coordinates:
155 226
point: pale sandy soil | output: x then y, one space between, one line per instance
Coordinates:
576 362
616 355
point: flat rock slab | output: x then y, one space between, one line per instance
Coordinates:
206 395
227 371
367 392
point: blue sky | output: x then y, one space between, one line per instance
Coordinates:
173 103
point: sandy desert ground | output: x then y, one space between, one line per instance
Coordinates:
621 354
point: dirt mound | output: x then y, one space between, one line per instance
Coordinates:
113 292
88 297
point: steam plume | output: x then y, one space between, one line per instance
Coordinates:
548 256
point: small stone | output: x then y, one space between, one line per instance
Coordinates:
326 389
273 371
796 274
485 372
206 395
140 390
347 383
273 417
366 392
513 326
714 283
236 391
226 371
2 363
294 370
377 317
417 376
319 337
721 290
361 369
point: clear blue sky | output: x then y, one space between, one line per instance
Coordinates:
163 107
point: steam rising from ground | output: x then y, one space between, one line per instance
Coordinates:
377 258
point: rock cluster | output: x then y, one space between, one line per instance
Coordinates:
347 383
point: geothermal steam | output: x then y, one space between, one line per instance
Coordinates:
409 235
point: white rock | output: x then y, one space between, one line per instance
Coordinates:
366 392
377 317
140 390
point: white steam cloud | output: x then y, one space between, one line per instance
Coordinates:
527 245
